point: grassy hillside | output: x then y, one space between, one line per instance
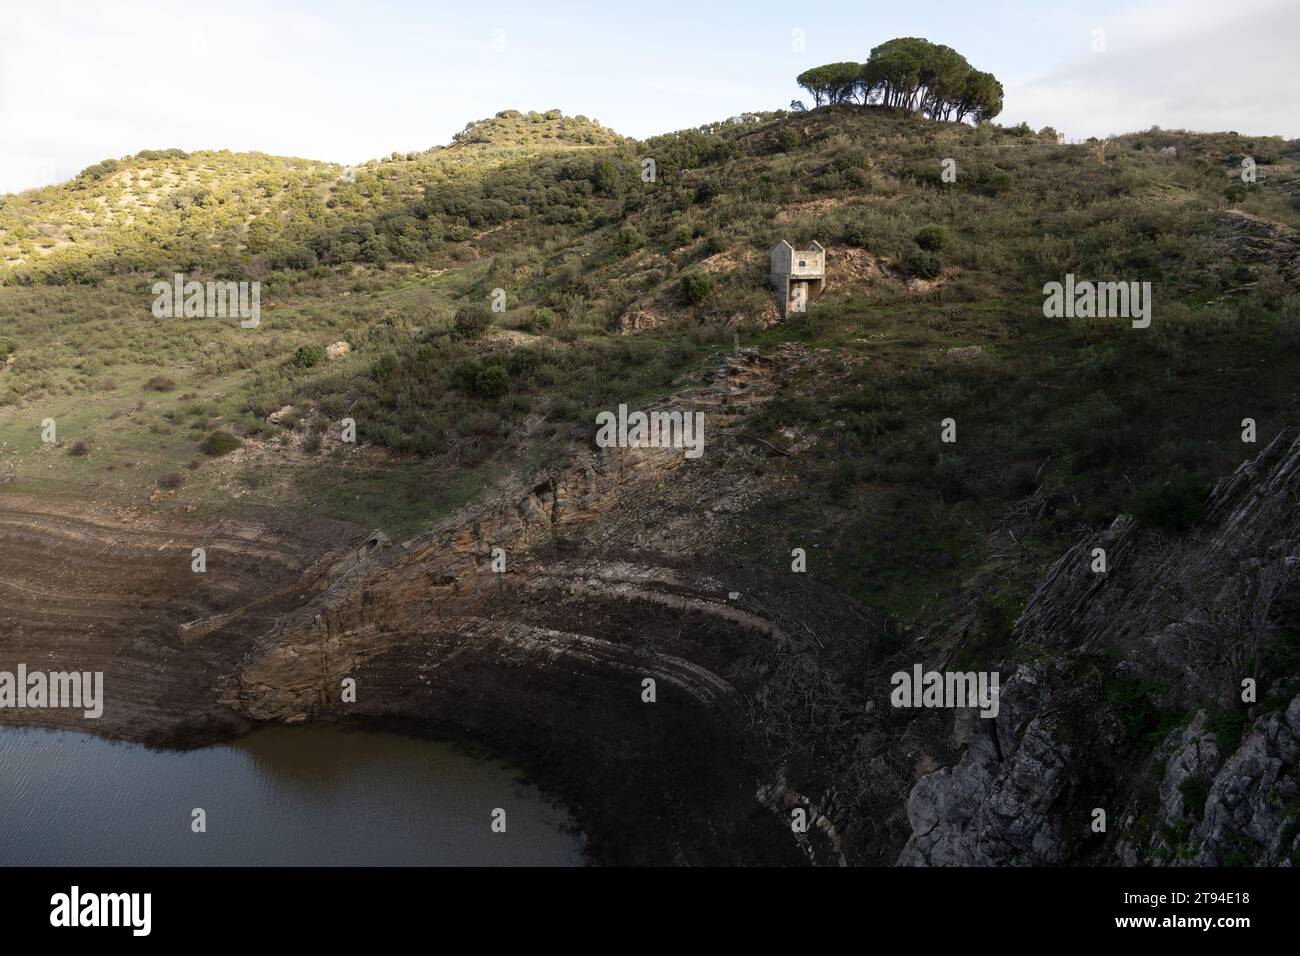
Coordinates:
933 310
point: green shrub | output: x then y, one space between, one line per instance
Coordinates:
471 322
523 361
696 287
923 265
492 381
788 138
1228 729
99 170
607 178
1130 703
931 238
995 183
626 241
489 380
308 356
856 234
463 375
707 190
538 321
219 443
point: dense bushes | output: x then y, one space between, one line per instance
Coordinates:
856 234
538 320
626 241
449 396
923 265
400 209
492 381
483 380
99 170
471 322
931 238
696 287
308 356
993 182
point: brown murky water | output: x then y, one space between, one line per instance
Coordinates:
281 796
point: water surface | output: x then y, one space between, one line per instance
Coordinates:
280 796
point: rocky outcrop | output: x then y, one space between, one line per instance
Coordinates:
637 320
1250 238
1252 811
996 806
1206 624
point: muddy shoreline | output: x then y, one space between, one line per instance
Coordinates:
669 783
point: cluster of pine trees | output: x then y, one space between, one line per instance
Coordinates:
911 74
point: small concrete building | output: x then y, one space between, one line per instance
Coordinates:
799 275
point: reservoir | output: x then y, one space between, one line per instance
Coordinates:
282 796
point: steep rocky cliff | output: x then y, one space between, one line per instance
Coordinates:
1162 691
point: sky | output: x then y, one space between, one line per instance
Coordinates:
350 80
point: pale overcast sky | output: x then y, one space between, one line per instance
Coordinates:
349 80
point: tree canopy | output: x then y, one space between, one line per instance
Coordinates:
912 74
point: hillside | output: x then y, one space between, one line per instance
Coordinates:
825 431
